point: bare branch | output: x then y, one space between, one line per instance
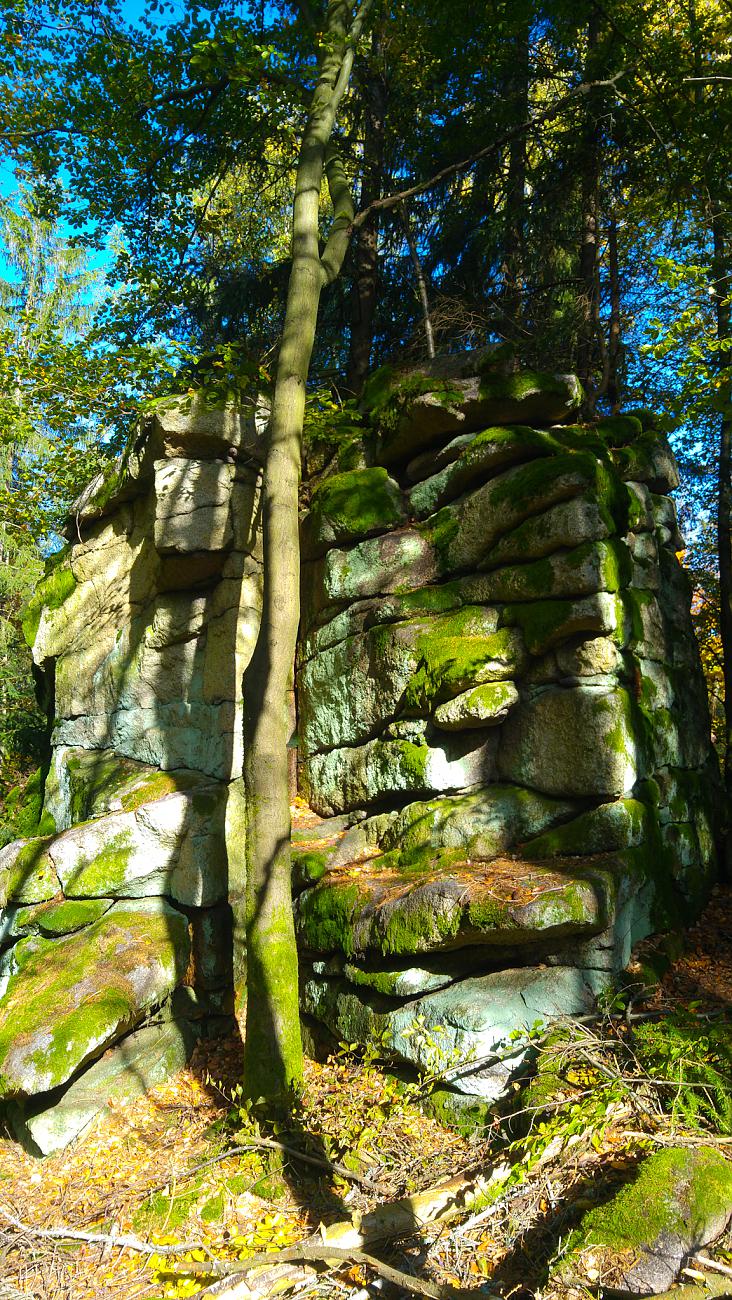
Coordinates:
454 169
322 1253
122 1241
343 211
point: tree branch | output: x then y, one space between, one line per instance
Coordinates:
454 169
343 211
333 1255
121 1241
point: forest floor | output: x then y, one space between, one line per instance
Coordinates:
158 1170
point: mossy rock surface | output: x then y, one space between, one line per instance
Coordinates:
357 776
143 1059
351 506
427 900
580 741
484 1018
54 919
480 707
98 983
51 592
418 408
484 822
547 623
680 1199
487 453
27 873
101 781
465 532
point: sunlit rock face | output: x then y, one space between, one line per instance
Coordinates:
502 732
499 688
117 946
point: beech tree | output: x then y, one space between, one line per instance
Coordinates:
273 1051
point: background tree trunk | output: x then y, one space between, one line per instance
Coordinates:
589 237
722 287
366 252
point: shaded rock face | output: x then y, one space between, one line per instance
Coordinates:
500 686
500 711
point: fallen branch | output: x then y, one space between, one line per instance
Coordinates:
704 1262
123 1241
330 1255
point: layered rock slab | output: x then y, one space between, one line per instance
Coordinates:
60 1011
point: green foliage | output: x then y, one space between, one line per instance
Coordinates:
694 1059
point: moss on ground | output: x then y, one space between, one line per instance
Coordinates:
676 1191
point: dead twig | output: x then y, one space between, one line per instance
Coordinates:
123 1241
329 1255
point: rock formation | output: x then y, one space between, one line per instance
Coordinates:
502 725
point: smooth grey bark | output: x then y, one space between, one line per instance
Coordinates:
273 1049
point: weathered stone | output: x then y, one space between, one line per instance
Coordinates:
85 783
625 823
354 777
52 919
416 413
465 532
380 564
636 1243
575 741
429 462
596 656
351 506
482 706
192 505
566 525
547 623
485 1019
485 455
173 845
649 460
27 872
351 689
206 738
99 981
432 899
191 427
143 1059
486 822
589 568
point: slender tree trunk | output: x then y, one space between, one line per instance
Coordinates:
364 294
589 237
722 287
513 270
272 1049
613 385
424 301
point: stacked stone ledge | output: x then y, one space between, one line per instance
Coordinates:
502 721
500 694
117 946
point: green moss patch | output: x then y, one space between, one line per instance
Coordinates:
50 593
677 1192
354 505
453 660
27 874
99 981
429 899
